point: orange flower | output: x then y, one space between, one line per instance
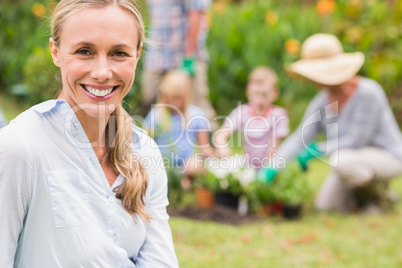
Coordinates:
292 46
325 7
271 18
38 10
219 7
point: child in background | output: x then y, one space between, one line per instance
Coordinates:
179 127
263 125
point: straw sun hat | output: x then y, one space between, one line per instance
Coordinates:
323 61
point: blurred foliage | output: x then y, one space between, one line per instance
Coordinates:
175 191
23 29
291 187
40 76
243 35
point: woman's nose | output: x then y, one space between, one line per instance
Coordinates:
101 69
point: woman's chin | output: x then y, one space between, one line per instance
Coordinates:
97 110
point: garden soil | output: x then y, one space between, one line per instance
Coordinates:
218 213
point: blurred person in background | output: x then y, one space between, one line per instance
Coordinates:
73 189
178 31
263 125
179 127
363 139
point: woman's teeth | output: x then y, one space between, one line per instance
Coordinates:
97 92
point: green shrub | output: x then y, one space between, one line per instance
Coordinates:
175 191
23 28
291 186
40 76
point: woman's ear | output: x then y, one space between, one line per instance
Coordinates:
139 51
54 50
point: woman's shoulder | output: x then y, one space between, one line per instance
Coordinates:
14 147
27 121
34 115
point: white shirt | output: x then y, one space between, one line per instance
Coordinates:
57 208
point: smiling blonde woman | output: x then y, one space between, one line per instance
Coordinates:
73 188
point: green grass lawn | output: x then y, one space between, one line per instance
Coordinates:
318 240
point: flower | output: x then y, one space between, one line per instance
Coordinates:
325 7
271 18
38 10
224 184
354 34
292 46
246 176
219 7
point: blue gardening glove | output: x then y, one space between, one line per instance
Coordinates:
307 154
266 175
189 65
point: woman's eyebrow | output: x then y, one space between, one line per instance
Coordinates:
89 44
121 46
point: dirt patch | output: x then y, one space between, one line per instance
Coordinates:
218 213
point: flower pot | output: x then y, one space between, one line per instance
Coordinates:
272 208
292 212
227 199
204 198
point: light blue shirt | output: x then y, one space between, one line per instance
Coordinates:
57 208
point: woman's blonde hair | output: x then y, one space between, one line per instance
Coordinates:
174 83
120 155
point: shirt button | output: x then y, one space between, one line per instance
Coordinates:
115 238
110 198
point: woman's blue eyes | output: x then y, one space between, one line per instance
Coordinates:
86 52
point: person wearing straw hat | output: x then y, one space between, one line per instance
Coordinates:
363 139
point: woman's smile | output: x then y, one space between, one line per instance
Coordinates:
99 92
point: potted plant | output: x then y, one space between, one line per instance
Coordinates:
263 198
229 191
205 187
291 187
232 180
